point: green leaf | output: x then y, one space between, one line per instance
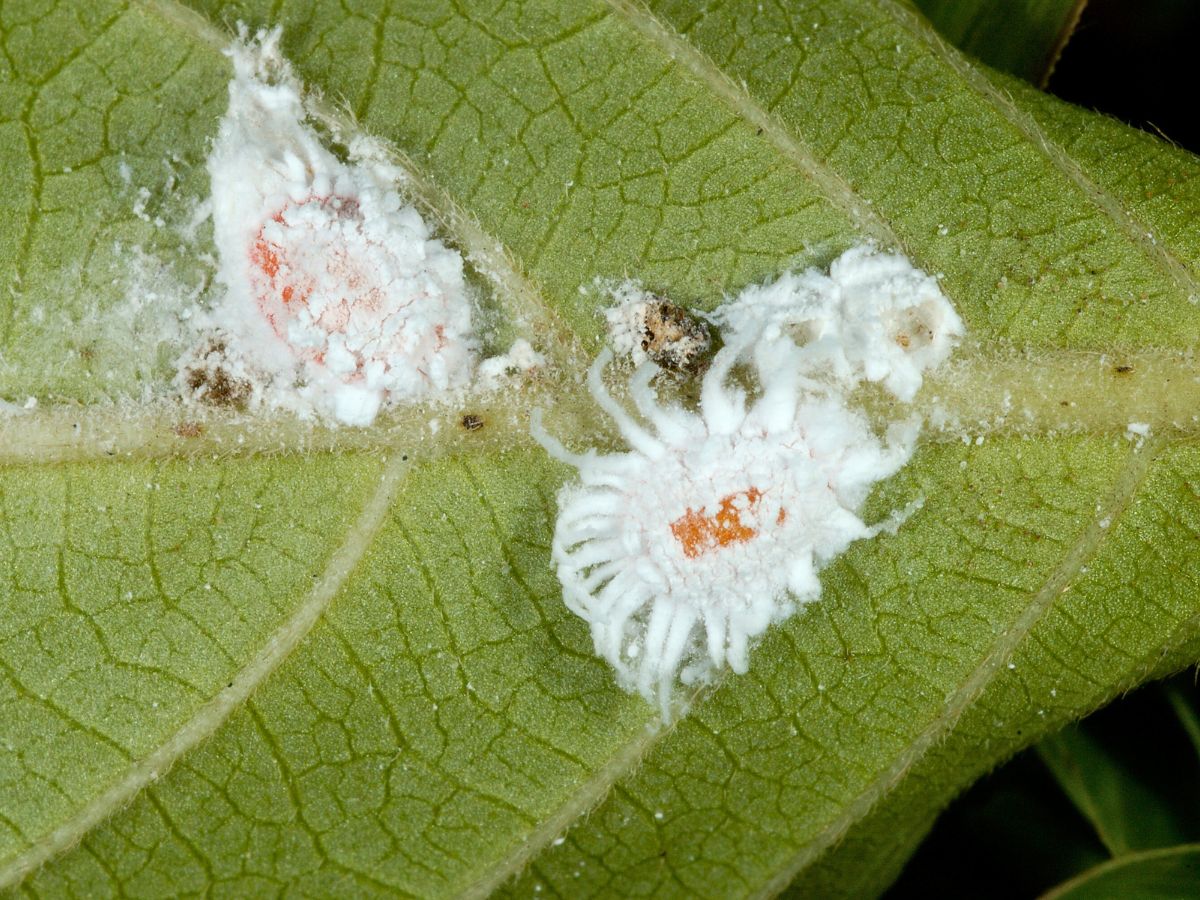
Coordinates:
247 657
1136 770
1166 873
1024 39
1125 813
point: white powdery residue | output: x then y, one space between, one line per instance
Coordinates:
626 317
520 358
681 551
139 320
139 207
873 317
1137 432
337 299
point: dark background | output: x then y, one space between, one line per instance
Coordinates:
1137 60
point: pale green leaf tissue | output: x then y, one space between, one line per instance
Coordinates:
250 658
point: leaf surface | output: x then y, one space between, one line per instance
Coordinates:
1124 812
1170 872
345 666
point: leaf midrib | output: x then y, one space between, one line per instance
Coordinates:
980 392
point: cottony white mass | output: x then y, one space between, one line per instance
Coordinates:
874 317
682 550
713 525
337 298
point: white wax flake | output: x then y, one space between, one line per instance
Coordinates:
873 317
337 300
139 204
680 552
626 318
520 358
1137 432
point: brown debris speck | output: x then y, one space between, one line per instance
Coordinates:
218 387
673 338
211 383
472 422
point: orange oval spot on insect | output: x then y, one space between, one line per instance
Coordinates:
292 270
699 533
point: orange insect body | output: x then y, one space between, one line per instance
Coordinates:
698 533
295 284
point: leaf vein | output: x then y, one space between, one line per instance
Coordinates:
832 186
1125 488
209 717
1026 126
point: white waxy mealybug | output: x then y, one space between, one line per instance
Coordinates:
337 298
682 550
872 317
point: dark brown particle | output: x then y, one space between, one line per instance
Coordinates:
674 339
218 387
212 384
472 422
